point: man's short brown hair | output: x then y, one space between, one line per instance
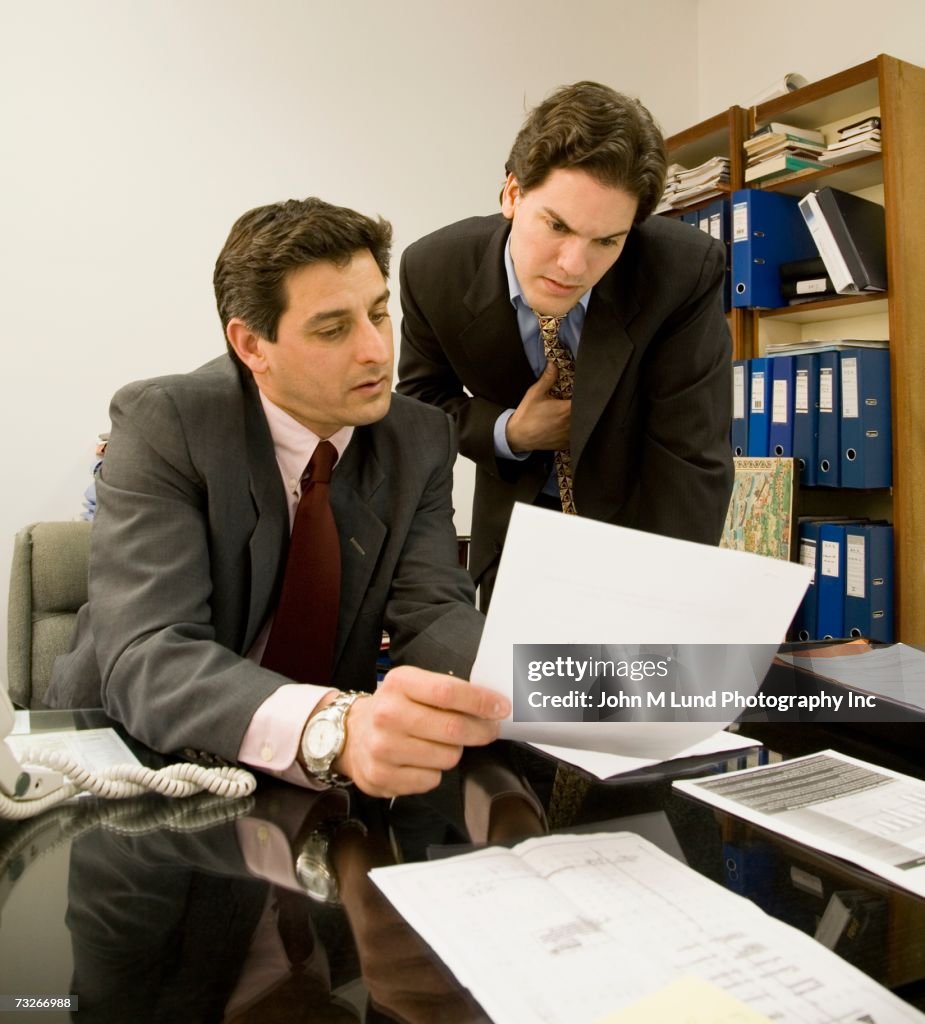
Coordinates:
590 127
268 243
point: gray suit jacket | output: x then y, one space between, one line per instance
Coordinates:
652 401
189 547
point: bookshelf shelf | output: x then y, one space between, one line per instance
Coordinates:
845 308
894 90
849 177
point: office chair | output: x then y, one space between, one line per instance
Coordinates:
48 583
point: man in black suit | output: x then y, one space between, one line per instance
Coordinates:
639 297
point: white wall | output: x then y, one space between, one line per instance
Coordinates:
133 134
745 46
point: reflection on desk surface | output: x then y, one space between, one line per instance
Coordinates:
153 910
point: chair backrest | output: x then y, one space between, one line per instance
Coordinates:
48 583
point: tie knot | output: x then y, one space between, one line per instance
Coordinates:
549 326
320 465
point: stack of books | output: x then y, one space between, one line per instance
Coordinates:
776 149
854 141
687 186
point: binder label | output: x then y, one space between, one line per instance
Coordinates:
826 403
758 391
849 387
829 561
779 402
854 565
801 392
808 557
740 222
738 392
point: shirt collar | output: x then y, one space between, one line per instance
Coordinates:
295 444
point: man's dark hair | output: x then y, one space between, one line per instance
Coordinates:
590 127
268 243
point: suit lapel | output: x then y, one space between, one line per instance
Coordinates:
604 351
492 339
270 538
362 533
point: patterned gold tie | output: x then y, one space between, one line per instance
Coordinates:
559 354
569 787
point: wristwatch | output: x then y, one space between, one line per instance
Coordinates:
325 736
313 867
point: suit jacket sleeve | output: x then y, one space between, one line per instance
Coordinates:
165 675
430 613
685 460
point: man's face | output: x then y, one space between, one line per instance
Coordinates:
331 363
566 233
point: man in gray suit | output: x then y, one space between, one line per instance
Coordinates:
640 306
196 501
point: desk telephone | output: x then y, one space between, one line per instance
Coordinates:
47 778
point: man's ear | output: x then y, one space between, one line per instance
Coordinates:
510 196
246 344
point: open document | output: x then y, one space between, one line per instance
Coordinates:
896 673
569 929
868 815
592 626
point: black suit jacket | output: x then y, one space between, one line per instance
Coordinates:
652 399
189 547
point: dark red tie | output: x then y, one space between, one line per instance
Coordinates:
301 641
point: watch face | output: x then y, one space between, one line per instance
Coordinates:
321 738
316 878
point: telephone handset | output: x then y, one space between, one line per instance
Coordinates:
47 778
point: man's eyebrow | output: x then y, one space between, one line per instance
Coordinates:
339 314
555 216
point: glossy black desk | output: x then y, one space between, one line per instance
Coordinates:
147 911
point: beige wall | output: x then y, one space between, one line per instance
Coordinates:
744 47
134 133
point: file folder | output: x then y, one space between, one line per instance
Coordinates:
714 219
759 413
869 581
806 418
830 581
780 431
808 554
850 233
829 463
767 230
741 380
866 433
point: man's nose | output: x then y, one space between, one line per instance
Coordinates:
573 257
374 344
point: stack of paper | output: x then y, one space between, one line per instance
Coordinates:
684 187
854 141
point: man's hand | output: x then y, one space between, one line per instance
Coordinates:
540 422
413 728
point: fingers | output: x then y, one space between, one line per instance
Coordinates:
436 690
415 727
547 378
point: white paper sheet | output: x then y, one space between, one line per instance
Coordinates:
93 749
868 815
606 766
897 672
567 929
568 580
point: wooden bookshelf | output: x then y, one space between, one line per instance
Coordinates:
894 90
